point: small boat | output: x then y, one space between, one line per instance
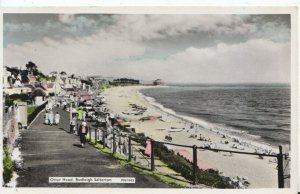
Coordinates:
175 129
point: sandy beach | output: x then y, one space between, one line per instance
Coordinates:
261 173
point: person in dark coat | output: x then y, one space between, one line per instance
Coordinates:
83 130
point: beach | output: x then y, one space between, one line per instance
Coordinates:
259 172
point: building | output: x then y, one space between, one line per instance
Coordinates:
52 87
31 77
17 90
158 82
39 95
85 96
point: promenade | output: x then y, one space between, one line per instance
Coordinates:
50 151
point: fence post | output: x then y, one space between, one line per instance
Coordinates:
103 139
129 148
114 142
152 154
280 168
95 136
194 163
286 166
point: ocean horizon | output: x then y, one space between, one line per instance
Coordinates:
248 84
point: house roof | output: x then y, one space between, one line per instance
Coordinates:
83 93
39 92
31 86
47 85
87 97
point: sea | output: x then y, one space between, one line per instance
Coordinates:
257 112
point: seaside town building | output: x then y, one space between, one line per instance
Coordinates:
158 82
39 95
17 90
31 77
13 86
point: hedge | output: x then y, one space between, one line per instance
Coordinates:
12 99
30 110
7 165
36 112
185 168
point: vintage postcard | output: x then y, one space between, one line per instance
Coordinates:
201 99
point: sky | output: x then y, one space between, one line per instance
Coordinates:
176 48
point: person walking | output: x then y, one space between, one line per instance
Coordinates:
46 118
83 130
56 118
72 125
51 117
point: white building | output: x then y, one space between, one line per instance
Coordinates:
17 90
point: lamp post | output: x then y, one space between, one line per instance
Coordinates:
71 109
55 94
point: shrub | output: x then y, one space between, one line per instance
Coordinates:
35 112
7 165
185 167
30 110
105 86
14 98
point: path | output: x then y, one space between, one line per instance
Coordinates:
50 151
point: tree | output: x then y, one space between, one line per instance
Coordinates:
24 76
31 67
88 82
35 72
14 71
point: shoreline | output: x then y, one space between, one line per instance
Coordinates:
196 121
261 173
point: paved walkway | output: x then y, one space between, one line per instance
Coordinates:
50 151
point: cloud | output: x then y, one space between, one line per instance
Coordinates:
255 61
66 18
15 27
275 31
252 61
147 27
87 54
110 51
271 27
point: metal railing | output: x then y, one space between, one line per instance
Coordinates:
131 141
278 156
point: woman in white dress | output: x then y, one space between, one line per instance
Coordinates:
56 118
